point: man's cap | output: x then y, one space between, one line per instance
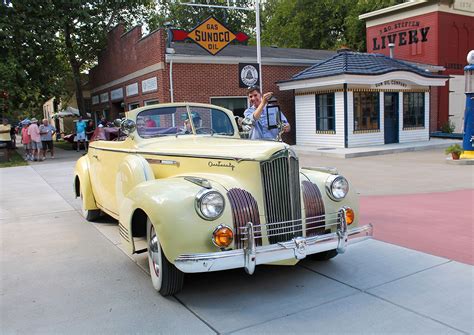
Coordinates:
33 120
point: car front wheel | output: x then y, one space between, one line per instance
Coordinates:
166 278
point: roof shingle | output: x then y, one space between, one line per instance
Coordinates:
359 64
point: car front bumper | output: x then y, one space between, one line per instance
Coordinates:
252 255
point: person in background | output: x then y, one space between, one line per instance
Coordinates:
81 133
25 140
257 112
90 130
5 138
33 131
13 131
104 122
46 132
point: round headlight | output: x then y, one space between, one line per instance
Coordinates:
209 204
337 187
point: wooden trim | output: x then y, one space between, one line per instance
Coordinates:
367 131
387 90
320 92
413 128
326 132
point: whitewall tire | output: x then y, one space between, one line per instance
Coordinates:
89 214
165 277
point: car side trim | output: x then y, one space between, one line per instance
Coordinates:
237 159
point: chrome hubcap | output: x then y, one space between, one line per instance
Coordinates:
153 249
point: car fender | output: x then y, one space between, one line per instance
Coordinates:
319 178
81 172
133 170
170 205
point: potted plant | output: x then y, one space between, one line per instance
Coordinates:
455 150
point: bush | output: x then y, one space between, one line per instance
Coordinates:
448 127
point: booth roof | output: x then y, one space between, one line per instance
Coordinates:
357 63
245 51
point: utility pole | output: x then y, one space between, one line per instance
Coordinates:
231 4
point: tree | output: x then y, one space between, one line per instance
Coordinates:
30 69
83 28
322 24
46 43
187 17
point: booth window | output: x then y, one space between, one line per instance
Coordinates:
325 113
236 104
366 111
413 110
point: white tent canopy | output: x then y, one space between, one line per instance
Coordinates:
69 111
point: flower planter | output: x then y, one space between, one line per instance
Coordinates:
455 155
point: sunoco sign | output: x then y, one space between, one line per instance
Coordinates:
212 35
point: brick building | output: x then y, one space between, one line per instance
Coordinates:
135 70
435 32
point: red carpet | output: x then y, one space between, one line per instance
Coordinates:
440 224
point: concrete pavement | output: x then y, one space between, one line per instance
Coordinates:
60 274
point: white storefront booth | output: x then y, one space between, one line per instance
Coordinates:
357 99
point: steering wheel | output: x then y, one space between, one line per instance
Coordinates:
205 130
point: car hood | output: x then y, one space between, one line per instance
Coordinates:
212 146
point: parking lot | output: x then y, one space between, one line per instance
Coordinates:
60 274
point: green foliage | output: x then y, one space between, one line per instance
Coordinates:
455 148
46 45
448 127
30 71
322 24
187 17
15 160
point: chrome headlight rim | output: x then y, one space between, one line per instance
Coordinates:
198 203
329 186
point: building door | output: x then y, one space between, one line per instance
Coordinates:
391 117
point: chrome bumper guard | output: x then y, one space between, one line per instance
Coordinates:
251 255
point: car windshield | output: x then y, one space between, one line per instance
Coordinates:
163 121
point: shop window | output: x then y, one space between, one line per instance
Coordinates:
236 104
366 111
151 102
413 110
133 105
325 113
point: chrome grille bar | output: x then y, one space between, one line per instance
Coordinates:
280 179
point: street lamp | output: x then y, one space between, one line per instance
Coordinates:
468 140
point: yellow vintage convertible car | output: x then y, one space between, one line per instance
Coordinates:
181 178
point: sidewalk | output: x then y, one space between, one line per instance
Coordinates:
374 150
61 274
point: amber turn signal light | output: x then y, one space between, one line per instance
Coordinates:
222 236
350 215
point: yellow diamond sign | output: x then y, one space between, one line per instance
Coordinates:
212 35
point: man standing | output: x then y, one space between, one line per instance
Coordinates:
46 132
81 133
257 112
33 131
5 139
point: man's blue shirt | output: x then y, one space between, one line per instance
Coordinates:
260 130
81 126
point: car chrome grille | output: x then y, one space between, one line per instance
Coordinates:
244 209
314 207
280 178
